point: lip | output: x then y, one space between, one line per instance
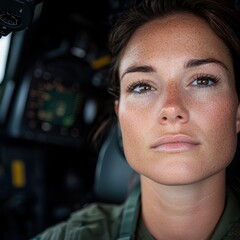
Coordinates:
174 143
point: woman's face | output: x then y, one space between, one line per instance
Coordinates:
178 108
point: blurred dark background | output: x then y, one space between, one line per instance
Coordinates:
53 96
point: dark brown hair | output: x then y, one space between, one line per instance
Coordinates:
223 16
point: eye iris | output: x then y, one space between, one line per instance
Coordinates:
144 88
203 82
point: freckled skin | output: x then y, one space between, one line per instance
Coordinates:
208 115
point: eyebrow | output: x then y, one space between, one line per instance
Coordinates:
198 62
143 68
189 64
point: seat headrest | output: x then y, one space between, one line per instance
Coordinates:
114 178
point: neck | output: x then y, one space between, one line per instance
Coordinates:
183 212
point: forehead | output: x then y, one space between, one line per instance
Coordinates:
175 36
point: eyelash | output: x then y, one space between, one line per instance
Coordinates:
204 77
132 87
201 77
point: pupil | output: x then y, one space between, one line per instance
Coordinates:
203 82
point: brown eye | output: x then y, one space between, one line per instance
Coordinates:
205 81
143 88
140 87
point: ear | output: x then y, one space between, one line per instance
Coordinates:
116 107
238 119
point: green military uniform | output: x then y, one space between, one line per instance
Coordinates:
110 222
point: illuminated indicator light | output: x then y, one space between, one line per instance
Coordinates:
18 173
101 62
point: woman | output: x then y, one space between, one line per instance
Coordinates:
175 78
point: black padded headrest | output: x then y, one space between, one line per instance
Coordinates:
114 178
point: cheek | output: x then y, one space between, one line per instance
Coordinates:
130 122
219 125
134 118
135 124
220 118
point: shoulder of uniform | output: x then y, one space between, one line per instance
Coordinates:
97 212
94 220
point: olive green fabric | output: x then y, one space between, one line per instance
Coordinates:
95 222
102 222
230 216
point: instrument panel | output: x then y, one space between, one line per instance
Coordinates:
59 105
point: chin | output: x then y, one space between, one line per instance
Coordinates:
176 180
176 174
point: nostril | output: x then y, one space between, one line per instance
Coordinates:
177 117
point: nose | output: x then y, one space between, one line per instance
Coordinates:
173 109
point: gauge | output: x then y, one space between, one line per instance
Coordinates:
10 18
15 15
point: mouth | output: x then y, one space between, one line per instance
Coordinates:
174 143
